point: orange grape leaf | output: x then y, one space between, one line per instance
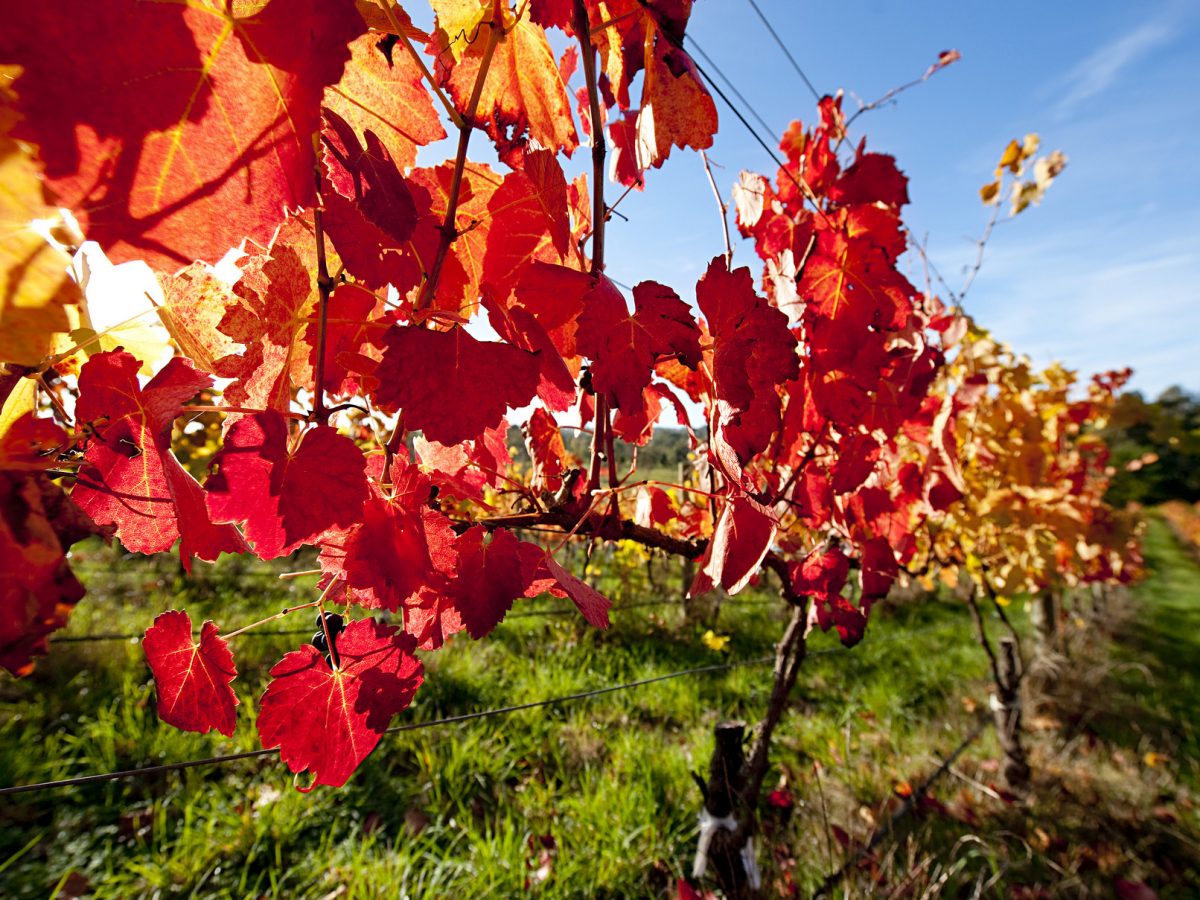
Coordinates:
524 96
190 125
382 91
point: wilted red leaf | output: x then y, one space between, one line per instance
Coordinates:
740 542
327 721
38 524
277 295
586 598
361 171
547 450
192 679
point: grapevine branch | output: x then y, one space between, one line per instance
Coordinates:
601 438
449 230
324 288
722 206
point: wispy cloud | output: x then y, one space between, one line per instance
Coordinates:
1101 69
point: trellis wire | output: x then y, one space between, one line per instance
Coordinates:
146 771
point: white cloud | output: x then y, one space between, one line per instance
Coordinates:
1101 69
1130 303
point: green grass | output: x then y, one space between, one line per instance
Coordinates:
598 790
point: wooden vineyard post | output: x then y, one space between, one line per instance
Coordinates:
1045 620
720 843
1006 707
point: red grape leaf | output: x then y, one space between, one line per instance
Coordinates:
654 507
399 547
385 93
624 346
131 479
878 569
753 353
327 721
450 385
192 679
822 574
873 178
851 282
522 225
354 327
465 469
753 347
676 107
30 443
638 427
550 189
192 130
854 462
38 524
517 325
458 287
544 440
489 578
554 296
285 497
587 599
367 175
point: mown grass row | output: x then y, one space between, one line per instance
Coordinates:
588 799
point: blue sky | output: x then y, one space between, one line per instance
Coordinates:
1106 273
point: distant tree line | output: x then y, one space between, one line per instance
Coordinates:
1155 448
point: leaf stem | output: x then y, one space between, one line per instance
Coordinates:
224 410
600 436
280 614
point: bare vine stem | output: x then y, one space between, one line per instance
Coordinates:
601 439
981 631
386 6
722 206
789 657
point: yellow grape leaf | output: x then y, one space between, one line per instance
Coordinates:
21 400
34 285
